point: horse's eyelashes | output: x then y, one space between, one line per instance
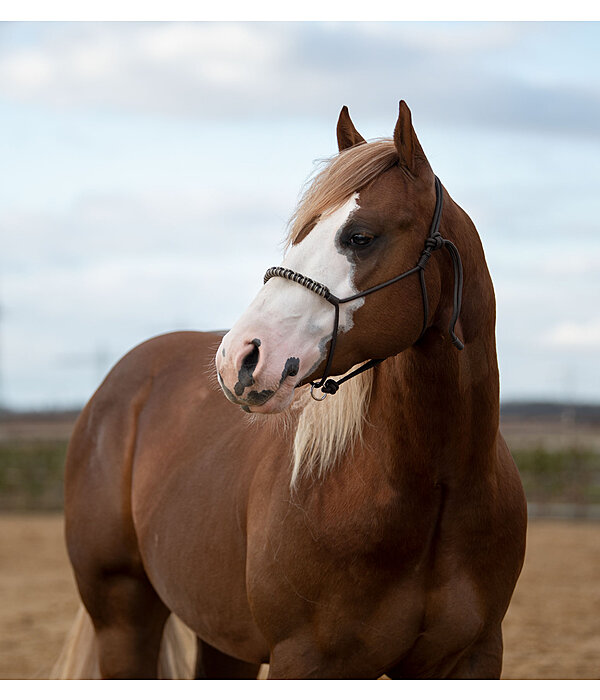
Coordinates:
361 240
357 238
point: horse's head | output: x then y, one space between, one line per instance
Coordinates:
363 221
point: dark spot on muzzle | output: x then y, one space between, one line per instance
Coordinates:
254 398
292 365
257 398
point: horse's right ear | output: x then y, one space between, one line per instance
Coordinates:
347 135
410 153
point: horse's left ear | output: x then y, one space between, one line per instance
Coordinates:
409 149
347 135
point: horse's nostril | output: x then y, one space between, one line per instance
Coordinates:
250 361
245 378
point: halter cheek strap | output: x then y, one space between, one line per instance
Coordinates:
432 243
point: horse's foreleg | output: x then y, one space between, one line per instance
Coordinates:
482 661
212 664
301 659
128 617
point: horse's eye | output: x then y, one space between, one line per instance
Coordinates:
360 240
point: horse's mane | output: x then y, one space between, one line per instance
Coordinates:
326 429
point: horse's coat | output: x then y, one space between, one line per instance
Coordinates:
397 548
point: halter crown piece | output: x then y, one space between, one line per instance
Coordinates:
433 242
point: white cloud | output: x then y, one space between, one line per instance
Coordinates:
227 42
162 67
239 70
465 38
575 336
126 226
27 71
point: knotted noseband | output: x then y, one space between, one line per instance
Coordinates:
433 242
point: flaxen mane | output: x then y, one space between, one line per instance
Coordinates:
327 428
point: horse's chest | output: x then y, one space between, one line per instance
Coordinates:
362 615
359 582
361 519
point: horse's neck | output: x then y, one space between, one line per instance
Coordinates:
440 404
438 411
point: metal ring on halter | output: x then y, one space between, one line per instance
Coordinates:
316 398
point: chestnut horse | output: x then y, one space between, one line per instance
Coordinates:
381 531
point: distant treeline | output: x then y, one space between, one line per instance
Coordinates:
33 447
31 475
508 409
59 415
577 412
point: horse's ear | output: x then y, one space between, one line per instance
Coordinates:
347 135
409 149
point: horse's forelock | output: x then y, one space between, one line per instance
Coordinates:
338 178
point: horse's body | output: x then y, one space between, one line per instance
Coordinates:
400 556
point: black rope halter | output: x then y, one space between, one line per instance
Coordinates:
433 242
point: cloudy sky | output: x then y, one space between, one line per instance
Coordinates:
149 169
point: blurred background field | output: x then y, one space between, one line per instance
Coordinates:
556 447
32 452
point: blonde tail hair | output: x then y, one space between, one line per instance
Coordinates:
177 658
78 659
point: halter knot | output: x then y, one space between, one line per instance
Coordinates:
330 387
434 242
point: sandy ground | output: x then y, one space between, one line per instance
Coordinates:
551 630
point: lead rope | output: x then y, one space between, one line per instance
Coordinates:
433 242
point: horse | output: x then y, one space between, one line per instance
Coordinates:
378 532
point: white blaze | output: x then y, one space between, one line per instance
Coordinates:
317 256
